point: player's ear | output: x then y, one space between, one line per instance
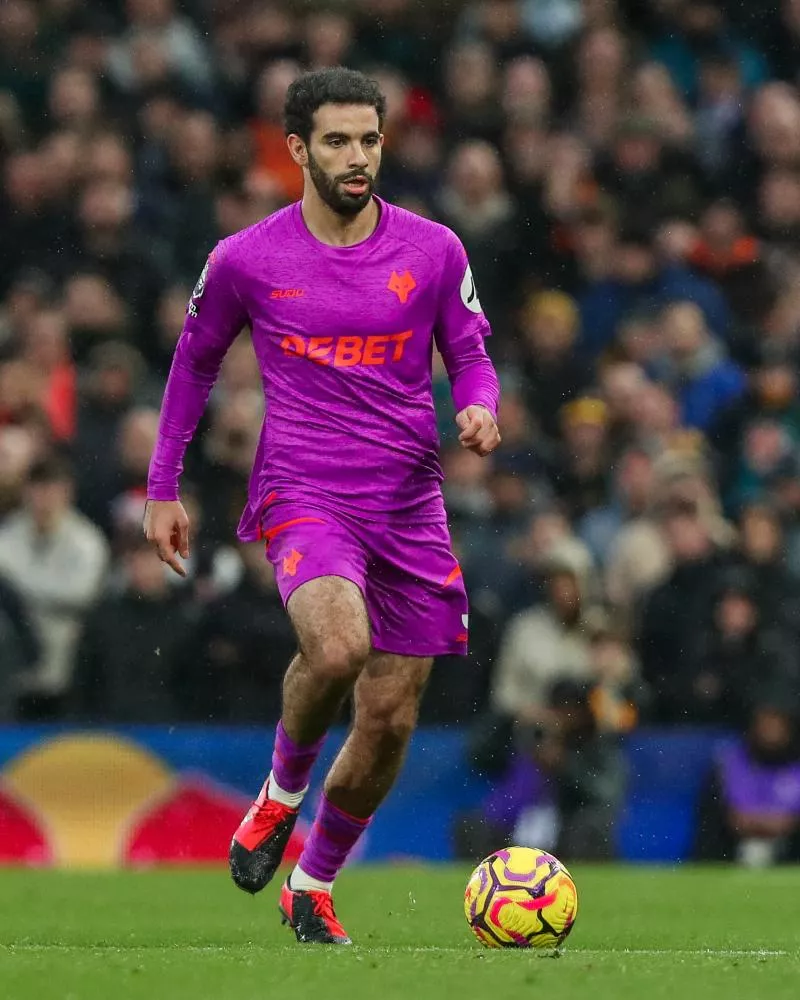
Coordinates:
297 149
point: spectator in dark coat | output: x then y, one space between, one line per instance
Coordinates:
676 608
639 281
554 373
243 643
131 664
19 646
737 655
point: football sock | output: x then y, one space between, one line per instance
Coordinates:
278 794
302 881
291 767
333 836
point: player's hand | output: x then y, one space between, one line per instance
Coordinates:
479 431
166 527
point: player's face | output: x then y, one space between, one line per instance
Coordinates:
344 156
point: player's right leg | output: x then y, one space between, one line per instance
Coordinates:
322 590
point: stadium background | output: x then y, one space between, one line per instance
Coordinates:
626 179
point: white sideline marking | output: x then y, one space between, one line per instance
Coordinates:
215 949
722 952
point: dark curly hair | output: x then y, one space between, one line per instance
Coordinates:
337 85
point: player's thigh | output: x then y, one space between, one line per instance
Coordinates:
320 570
329 615
389 689
415 593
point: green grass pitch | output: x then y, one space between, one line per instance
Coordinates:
641 933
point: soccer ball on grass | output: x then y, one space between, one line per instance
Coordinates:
521 897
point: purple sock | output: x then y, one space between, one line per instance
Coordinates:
333 836
291 764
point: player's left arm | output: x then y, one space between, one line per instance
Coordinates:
460 331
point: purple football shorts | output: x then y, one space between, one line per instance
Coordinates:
410 579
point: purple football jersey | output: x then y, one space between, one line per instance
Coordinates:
344 339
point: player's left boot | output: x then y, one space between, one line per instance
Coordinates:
311 916
257 847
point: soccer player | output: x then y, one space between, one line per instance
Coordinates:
345 297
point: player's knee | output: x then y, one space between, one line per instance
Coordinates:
341 658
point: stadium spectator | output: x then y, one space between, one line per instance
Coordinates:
563 788
471 107
270 154
704 380
107 245
476 202
157 36
553 373
771 398
750 807
695 28
223 469
631 497
544 644
56 559
678 607
130 664
655 98
121 470
723 249
637 280
625 178
19 648
242 643
579 471
736 655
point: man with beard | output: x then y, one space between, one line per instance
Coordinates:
345 296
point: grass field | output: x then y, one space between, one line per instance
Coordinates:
641 933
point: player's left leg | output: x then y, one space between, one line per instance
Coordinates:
417 607
386 704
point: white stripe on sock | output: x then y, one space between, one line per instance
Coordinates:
278 794
300 880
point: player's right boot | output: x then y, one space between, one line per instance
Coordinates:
258 845
311 916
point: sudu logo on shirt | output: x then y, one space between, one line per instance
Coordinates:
346 352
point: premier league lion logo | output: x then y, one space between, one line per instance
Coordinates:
199 288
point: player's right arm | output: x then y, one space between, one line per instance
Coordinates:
214 317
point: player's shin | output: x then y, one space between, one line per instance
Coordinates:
291 767
360 779
333 836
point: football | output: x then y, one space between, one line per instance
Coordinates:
521 897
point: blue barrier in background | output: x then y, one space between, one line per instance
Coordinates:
667 770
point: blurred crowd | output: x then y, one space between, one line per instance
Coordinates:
625 176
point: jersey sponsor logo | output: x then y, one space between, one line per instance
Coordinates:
469 294
287 293
347 352
402 285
